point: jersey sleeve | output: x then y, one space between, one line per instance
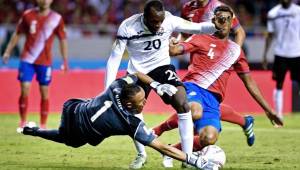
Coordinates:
185 26
60 30
189 45
116 55
241 66
143 135
22 26
270 23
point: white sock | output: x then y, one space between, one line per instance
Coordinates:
278 101
186 131
140 148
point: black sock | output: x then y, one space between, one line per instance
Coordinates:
53 135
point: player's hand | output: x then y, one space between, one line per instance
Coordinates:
265 63
5 58
162 89
65 66
201 161
274 118
173 41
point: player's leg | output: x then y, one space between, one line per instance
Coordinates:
44 78
228 114
172 121
141 157
26 72
294 65
185 123
279 72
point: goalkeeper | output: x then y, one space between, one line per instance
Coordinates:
112 113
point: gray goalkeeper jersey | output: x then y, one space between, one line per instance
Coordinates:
104 116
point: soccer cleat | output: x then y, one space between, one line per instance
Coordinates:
30 130
248 130
167 161
139 162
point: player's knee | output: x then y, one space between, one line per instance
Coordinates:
196 110
208 136
180 103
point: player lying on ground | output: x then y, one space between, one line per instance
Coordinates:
213 59
112 113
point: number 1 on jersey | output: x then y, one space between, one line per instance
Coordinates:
107 105
211 52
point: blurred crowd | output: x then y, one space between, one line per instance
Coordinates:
85 17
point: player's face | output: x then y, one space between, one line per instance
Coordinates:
223 20
44 4
154 19
285 3
138 102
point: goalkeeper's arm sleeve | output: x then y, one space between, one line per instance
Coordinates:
114 61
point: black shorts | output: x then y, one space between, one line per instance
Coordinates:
282 65
163 74
69 125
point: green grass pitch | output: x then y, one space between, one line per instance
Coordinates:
274 149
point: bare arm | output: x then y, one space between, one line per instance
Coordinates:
168 150
269 40
240 36
253 89
12 43
63 44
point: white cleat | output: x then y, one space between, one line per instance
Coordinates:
167 161
139 162
19 130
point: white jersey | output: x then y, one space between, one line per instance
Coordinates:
285 25
148 51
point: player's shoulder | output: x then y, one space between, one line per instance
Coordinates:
234 46
132 20
131 24
274 11
55 13
30 11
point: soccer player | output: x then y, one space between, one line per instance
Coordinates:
213 59
146 37
39 25
112 113
284 28
203 10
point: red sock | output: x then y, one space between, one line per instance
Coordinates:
23 105
230 115
44 112
196 144
169 124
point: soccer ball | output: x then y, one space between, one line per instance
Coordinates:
214 153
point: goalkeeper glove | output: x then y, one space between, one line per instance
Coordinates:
161 89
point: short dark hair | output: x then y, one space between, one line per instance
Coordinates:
156 4
224 8
129 91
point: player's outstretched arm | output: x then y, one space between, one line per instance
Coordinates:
185 26
192 159
253 89
11 45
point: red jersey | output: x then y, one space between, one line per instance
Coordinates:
40 31
212 61
193 12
